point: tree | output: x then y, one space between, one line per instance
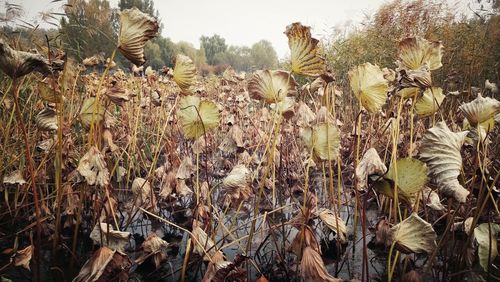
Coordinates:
212 46
146 6
86 29
263 55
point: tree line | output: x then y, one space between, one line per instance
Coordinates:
91 27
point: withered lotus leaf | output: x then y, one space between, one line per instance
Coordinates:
334 223
414 235
46 91
304 51
136 28
409 174
481 110
312 267
369 86
431 199
305 116
184 72
286 107
323 140
304 238
46 119
23 257
117 94
491 86
93 167
486 235
154 247
105 265
143 193
272 86
440 150
419 78
92 61
104 234
409 92
186 168
15 177
236 185
203 244
414 52
430 102
197 117
16 63
370 164
91 113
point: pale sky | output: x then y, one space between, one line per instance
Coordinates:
240 22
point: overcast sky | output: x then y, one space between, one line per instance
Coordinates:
240 22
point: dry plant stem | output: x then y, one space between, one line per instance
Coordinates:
397 210
479 209
272 139
38 246
58 164
356 161
186 260
94 137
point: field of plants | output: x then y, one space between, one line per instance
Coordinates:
289 174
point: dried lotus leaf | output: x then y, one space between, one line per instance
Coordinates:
93 167
409 92
430 102
47 93
136 28
369 85
335 223
440 150
105 265
236 185
115 240
414 52
480 110
370 164
203 244
92 61
323 140
16 63
432 200
184 72
91 112
409 174
312 267
196 116
304 51
118 94
23 257
414 235
271 86
15 177
305 116
486 235
46 119
154 247
143 193
286 107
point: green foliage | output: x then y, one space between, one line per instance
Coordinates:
260 56
146 6
212 46
471 45
86 31
263 55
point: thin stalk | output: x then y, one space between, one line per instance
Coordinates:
38 213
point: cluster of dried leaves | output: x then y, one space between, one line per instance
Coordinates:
217 144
